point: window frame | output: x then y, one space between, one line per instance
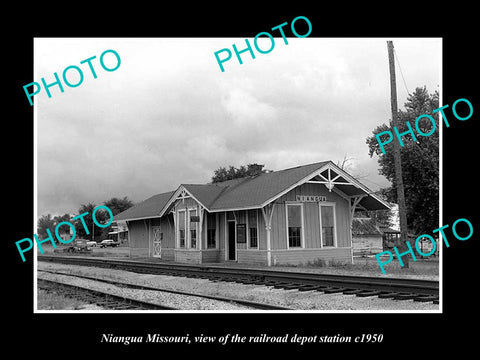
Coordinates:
215 229
248 229
214 239
189 231
302 221
332 205
185 229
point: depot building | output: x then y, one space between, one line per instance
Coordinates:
292 216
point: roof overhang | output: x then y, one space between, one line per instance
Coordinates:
117 232
180 193
330 175
337 180
147 209
140 218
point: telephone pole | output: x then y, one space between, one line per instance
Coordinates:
402 210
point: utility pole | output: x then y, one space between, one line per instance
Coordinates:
402 210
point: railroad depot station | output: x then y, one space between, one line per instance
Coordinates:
289 216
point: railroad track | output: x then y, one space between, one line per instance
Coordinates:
143 305
97 297
361 286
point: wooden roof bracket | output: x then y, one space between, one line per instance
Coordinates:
356 199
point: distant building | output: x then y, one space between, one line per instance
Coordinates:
119 232
65 233
367 238
392 236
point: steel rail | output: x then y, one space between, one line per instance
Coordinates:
99 297
252 304
397 288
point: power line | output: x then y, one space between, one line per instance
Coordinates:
373 182
401 72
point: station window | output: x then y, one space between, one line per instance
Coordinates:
193 229
252 228
193 238
294 225
211 242
328 225
181 229
211 231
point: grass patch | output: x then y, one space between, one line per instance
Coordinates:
369 266
50 301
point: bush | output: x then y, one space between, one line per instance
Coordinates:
318 263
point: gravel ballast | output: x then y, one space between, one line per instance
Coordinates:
292 299
176 301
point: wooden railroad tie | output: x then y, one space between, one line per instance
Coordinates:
333 290
367 293
427 298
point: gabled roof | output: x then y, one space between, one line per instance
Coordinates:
206 194
389 230
245 193
148 208
258 191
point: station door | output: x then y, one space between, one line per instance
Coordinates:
157 242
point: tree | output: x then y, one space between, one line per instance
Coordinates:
420 162
45 222
94 232
64 230
117 205
254 169
59 219
344 163
224 174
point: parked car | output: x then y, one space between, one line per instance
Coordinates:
107 243
79 246
92 243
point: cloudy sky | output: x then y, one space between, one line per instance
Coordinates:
168 115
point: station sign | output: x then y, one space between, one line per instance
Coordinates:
311 198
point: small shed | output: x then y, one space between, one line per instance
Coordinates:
366 237
390 238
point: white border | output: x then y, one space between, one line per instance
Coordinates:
35 180
378 311
440 174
